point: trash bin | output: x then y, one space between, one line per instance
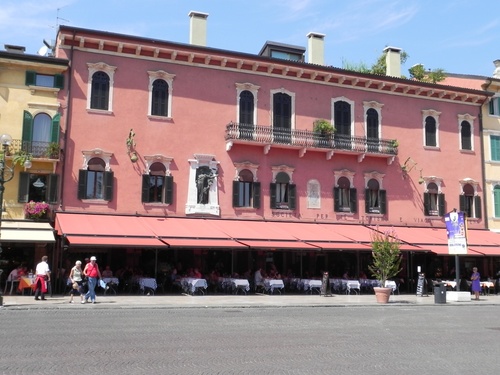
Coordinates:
439 293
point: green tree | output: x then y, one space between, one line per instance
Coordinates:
386 256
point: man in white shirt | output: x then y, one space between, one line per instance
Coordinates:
42 275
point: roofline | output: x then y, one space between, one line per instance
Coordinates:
34 58
297 64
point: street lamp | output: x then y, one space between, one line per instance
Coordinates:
5 141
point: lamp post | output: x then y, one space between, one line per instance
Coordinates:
5 141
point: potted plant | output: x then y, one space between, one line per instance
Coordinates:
36 210
324 127
22 158
386 261
52 151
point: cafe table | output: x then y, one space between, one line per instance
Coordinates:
111 282
240 284
190 285
25 282
271 284
309 285
147 283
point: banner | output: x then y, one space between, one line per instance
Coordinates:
457 233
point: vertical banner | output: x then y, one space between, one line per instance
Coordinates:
457 233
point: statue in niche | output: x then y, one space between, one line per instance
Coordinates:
204 180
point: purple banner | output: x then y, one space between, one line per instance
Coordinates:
457 233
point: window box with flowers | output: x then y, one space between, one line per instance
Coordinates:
36 210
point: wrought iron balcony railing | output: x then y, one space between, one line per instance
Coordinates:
308 140
37 150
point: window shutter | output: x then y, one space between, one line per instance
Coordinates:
169 189
336 205
256 194
292 202
236 193
58 81
427 198
441 204
82 184
463 203
145 188
272 194
367 201
353 200
24 187
495 147
496 200
491 106
27 127
477 207
54 137
108 185
52 188
383 201
30 78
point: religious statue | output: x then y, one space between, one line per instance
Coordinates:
204 180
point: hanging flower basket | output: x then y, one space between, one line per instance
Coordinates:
36 210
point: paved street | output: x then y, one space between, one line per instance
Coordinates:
403 338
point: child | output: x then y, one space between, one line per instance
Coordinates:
75 291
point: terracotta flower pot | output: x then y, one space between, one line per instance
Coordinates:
382 294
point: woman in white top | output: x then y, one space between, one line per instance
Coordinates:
76 276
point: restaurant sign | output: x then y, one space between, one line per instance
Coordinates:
456 231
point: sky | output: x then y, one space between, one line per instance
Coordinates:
458 36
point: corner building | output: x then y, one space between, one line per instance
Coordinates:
187 154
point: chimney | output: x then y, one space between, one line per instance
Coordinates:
198 28
393 61
496 73
316 48
14 49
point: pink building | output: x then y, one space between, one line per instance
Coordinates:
208 157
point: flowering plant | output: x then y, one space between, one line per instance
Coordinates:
36 210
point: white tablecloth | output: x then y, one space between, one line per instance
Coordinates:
147 282
307 284
189 284
241 283
113 280
270 285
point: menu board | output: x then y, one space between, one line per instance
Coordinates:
421 284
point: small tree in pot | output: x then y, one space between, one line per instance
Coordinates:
386 261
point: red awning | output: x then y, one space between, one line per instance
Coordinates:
443 250
262 244
488 251
340 245
254 230
115 241
182 228
207 242
483 237
354 232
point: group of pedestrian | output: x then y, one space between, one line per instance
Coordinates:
90 275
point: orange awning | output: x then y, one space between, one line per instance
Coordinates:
115 241
256 244
483 237
443 250
340 245
206 242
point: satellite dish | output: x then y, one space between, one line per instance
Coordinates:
43 50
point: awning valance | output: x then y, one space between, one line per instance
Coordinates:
26 231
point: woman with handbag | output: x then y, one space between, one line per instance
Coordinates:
76 277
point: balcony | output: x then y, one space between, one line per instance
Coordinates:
38 150
307 140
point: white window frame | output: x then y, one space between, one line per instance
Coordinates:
192 205
470 119
169 79
110 71
254 89
271 105
435 114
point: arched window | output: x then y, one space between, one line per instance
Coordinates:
283 192
342 117
100 91
156 186
375 198
95 182
246 192
159 102
470 203
372 130
430 131
433 201
465 136
246 108
343 195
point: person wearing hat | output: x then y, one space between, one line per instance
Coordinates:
76 279
93 274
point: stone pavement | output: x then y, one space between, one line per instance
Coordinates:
233 301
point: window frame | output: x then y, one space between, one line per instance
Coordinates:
351 193
466 118
31 80
169 79
434 115
110 71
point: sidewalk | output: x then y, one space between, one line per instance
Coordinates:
232 301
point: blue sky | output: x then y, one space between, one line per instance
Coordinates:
459 36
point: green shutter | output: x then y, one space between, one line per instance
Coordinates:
82 184
491 107
30 78
441 205
427 199
24 187
145 188
495 147
353 200
336 205
27 127
272 194
477 207
54 137
236 193
292 201
367 201
383 201
108 185
496 200
256 194
58 81
169 189
52 188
